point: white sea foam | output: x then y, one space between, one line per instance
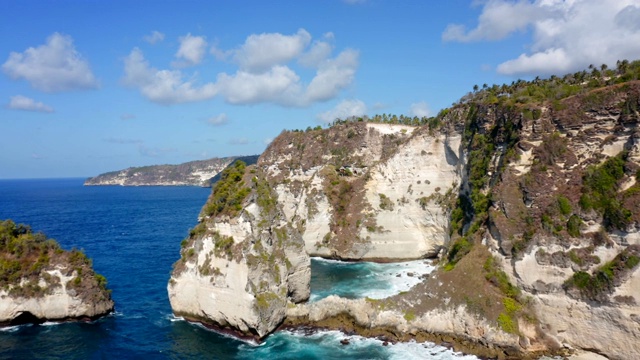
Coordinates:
375 280
399 277
14 328
228 336
328 341
50 323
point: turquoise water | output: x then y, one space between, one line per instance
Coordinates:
133 236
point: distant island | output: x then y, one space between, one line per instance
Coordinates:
194 173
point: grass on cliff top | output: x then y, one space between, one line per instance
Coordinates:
24 255
228 193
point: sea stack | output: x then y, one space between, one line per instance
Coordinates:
41 282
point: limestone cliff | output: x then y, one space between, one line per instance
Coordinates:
365 191
244 262
193 173
40 282
528 195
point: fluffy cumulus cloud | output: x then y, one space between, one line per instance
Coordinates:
566 35
344 109
154 37
419 109
52 67
192 50
163 86
265 72
264 51
20 102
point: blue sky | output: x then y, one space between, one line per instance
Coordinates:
93 86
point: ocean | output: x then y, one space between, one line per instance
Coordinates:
133 236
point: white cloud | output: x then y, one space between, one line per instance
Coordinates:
566 35
499 19
263 73
319 52
264 51
280 85
267 141
20 102
419 109
52 67
332 76
344 109
154 37
192 50
127 116
218 120
163 86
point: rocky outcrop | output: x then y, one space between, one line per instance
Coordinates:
40 282
371 315
242 265
530 201
194 173
364 191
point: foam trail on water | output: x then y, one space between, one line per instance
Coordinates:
326 344
365 279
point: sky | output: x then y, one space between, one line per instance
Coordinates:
93 86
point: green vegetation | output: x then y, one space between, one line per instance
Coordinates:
595 286
229 192
499 278
458 250
409 315
564 205
385 203
24 255
573 225
600 192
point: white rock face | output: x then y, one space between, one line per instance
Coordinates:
609 329
415 178
241 274
62 303
454 321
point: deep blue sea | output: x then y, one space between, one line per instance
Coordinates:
133 236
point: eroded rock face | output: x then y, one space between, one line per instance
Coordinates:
367 191
545 200
62 303
239 272
41 282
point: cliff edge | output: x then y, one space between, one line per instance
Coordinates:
527 195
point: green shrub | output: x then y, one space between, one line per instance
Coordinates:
507 323
600 192
564 205
229 192
573 225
